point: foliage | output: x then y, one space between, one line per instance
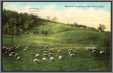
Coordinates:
101 27
16 23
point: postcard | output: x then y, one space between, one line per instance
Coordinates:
54 36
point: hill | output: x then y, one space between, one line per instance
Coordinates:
31 35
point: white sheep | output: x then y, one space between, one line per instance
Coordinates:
36 55
101 52
45 54
10 54
93 51
51 58
35 60
71 54
18 58
59 57
44 58
25 49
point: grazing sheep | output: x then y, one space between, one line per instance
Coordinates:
7 51
10 54
45 51
93 51
45 54
18 57
51 58
59 57
71 54
11 49
35 60
36 55
13 53
101 52
25 49
70 50
4 49
44 58
50 54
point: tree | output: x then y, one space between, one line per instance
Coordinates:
17 23
101 27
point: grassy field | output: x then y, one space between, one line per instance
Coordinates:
59 39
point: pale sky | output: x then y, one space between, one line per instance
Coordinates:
85 13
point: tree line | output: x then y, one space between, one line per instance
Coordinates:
17 23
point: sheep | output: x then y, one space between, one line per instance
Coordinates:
45 54
35 60
70 49
93 51
101 52
10 54
44 58
24 49
71 54
11 49
60 57
45 51
7 51
18 57
13 53
50 54
36 55
90 48
51 58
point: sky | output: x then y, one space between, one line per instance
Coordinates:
85 13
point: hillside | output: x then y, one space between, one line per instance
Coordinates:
37 35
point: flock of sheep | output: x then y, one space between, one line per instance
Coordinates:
49 55
10 52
